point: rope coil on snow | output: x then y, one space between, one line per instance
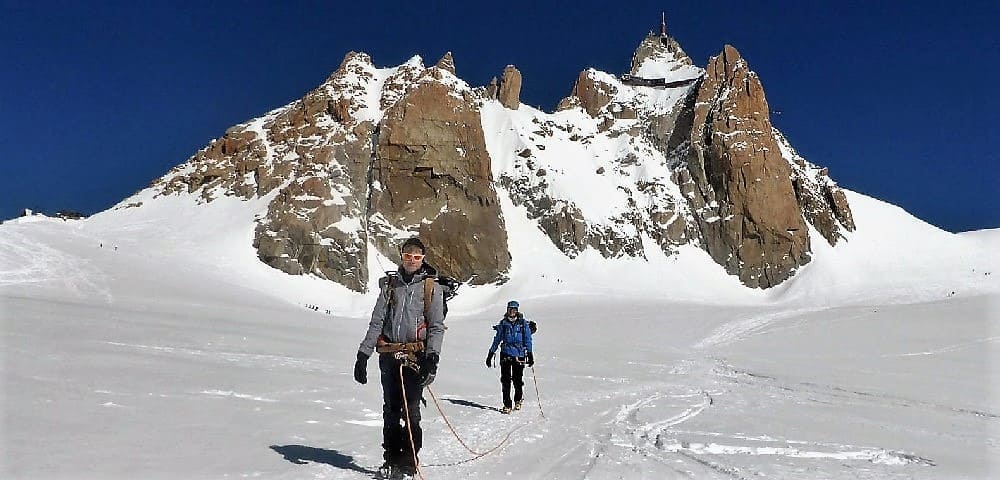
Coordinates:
478 455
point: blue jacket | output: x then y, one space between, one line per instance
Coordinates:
515 337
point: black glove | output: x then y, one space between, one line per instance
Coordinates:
530 357
361 369
489 360
428 369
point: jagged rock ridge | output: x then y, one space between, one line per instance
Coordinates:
669 152
695 159
372 155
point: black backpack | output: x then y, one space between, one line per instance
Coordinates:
449 287
531 324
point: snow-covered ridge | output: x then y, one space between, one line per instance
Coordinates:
603 172
669 67
892 257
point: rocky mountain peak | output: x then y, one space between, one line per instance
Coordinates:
509 92
745 200
666 155
657 56
354 58
748 205
447 62
432 176
592 91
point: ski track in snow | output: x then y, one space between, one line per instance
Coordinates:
876 455
882 399
646 425
950 348
740 329
23 261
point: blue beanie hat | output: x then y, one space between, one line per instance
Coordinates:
513 304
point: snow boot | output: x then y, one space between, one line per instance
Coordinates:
517 405
505 410
394 471
386 471
407 470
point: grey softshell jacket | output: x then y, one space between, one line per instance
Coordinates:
406 322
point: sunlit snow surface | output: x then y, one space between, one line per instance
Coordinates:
151 343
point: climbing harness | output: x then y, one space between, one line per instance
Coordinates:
409 351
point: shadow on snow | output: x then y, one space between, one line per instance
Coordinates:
467 403
301 454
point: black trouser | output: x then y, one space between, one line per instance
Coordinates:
511 370
395 438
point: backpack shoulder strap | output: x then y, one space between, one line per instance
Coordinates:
391 282
428 296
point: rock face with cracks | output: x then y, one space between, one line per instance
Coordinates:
748 198
434 178
746 205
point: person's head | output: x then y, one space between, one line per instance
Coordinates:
512 307
412 254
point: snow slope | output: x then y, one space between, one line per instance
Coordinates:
893 256
150 343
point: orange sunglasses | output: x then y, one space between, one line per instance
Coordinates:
413 256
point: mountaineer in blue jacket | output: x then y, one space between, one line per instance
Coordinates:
513 336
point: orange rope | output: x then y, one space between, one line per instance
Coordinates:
537 397
437 404
453 432
409 429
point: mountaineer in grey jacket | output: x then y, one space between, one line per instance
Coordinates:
406 323
407 331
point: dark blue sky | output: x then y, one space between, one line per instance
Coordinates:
898 99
